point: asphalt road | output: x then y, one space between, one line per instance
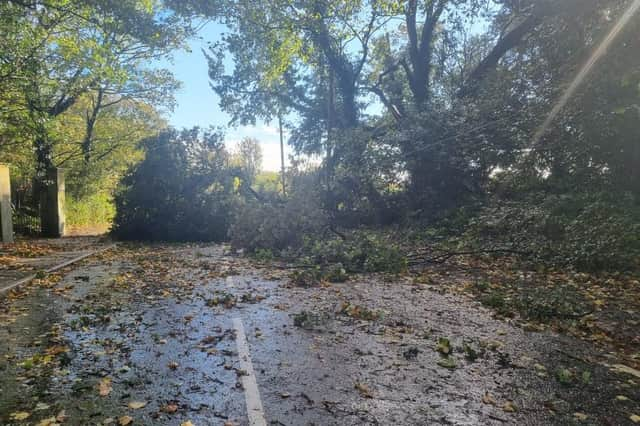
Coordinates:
167 335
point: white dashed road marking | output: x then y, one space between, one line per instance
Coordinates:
251 393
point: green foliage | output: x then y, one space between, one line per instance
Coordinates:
498 302
444 172
590 231
564 376
452 143
336 274
263 255
447 362
544 304
308 320
268 183
534 301
182 191
76 89
470 353
569 377
307 278
223 298
314 275
114 147
280 225
360 312
95 209
359 252
443 346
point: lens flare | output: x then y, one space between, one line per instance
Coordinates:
586 69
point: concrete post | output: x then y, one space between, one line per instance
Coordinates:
52 204
6 221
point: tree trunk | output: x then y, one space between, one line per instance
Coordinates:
506 43
44 150
90 124
284 188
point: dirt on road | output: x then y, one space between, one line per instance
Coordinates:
145 334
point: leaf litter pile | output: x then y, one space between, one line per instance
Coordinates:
143 335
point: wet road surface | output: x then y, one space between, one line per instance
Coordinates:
146 335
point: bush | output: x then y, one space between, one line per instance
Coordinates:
95 209
183 190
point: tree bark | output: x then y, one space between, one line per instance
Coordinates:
505 44
418 69
342 69
90 125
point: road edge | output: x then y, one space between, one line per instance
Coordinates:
29 278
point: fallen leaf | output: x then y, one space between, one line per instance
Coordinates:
364 390
136 405
57 350
621 368
170 408
444 346
51 421
509 407
104 387
447 362
580 416
125 420
41 406
20 415
187 423
488 399
622 398
635 418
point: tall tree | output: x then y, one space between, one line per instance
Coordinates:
79 47
286 53
249 157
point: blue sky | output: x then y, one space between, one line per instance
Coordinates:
197 104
